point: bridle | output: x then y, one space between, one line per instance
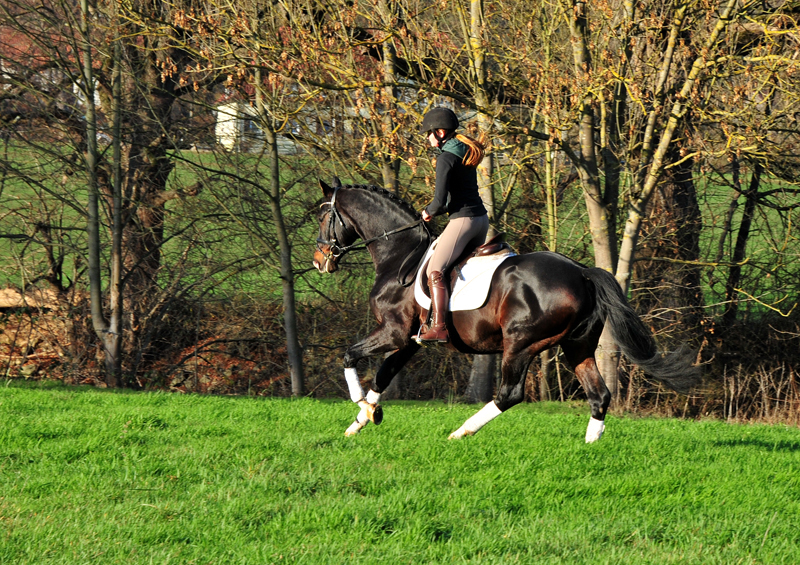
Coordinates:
336 250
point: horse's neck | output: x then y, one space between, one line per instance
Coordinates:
391 252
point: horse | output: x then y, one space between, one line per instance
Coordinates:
536 301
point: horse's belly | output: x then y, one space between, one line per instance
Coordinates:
478 330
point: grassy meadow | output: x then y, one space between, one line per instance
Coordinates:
95 476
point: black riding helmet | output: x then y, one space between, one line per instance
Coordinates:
439 118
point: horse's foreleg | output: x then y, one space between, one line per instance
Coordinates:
393 364
368 404
370 409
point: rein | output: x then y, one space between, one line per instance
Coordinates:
336 250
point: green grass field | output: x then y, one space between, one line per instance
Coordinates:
93 476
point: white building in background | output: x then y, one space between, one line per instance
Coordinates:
236 129
230 126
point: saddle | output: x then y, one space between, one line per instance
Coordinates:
473 271
496 245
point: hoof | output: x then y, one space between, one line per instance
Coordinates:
460 433
375 414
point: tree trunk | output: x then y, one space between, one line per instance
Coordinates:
482 378
601 219
739 250
295 351
106 334
390 162
669 286
655 166
546 358
551 198
654 156
484 367
113 337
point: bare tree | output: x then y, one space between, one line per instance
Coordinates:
91 97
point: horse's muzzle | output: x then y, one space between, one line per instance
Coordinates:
325 263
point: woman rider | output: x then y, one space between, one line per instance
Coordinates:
457 195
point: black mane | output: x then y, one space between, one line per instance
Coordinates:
405 204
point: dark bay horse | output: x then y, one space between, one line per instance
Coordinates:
537 301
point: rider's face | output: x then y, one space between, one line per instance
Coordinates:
432 139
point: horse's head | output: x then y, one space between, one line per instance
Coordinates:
334 234
384 222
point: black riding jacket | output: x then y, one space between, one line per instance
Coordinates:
456 184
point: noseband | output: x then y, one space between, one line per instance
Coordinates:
336 250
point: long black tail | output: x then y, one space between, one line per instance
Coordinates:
674 369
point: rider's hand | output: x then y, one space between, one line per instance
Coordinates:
426 216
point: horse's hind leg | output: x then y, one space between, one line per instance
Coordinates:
581 356
511 392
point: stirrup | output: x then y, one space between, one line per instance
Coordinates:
422 342
416 337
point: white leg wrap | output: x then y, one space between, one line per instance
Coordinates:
476 422
373 397
483 417
361 421
595 430
351 376
354 428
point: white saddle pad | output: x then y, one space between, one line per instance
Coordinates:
470 291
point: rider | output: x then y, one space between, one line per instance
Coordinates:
457 195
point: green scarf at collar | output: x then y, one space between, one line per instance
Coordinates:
455 147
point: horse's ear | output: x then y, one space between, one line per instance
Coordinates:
337 183
326 190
